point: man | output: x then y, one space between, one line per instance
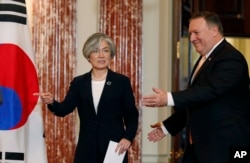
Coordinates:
215 107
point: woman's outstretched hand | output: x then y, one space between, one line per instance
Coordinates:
46 97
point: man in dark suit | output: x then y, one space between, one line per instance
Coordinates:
215 107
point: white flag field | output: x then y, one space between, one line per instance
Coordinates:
21 123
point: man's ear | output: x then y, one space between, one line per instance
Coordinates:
215 30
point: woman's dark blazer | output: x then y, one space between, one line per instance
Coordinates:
116 118
216 105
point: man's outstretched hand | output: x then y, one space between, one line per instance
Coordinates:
158 99
156 134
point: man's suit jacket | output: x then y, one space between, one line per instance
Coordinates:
116 117
216 105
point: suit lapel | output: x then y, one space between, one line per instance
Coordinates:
199 71
88 90
106 90
210 58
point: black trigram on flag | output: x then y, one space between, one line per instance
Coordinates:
11 157
13 11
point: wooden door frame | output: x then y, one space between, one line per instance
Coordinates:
177 20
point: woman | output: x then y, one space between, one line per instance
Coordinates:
104 101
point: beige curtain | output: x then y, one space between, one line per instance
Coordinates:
122 20
54 41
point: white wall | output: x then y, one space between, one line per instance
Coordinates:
87 24
157 18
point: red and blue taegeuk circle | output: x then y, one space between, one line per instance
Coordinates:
18 82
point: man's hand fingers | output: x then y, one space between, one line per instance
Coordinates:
156 90
156 125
